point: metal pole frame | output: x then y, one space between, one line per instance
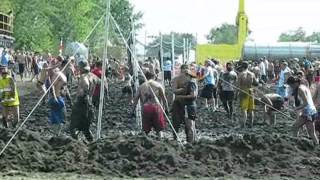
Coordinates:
161 58
104 63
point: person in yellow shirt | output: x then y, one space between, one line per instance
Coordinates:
9 98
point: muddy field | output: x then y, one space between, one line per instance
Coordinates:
223 149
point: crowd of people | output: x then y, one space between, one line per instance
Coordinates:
296 88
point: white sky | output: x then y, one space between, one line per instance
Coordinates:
267 18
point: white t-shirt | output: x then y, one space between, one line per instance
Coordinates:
262 69
167 66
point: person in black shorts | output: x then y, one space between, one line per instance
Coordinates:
226 85
189 100
127 90
167 69
209 92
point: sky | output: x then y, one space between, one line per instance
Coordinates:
267 18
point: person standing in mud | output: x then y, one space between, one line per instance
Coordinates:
271 74
97 70
189 100
9 98
246 82
21 59
306 108
35 67
283 76
152 114
178 87
56 96
308 69
209 92
227 83
128 86
83 110
186 91
316 100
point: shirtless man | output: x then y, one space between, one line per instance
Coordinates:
186 91
273 102
189 99
316 100
21 59
256 71
271 75
246 82
306 107
152 114
56 96
83 111
127 89
178 86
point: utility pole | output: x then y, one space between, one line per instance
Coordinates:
135 70
145 46
184 51
172 54
104 63
161 58
187 50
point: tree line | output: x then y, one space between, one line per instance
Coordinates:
39 25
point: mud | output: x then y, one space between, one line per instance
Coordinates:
222 150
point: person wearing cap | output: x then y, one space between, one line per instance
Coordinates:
9 98
189 98
283 76
305 107
209 92
83 111
152 114
246 82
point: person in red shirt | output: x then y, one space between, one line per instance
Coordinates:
97 70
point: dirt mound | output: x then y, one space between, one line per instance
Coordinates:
249 156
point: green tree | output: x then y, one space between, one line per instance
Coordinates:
314 37
40 24
293 36
225 34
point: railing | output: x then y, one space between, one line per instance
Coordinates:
6 26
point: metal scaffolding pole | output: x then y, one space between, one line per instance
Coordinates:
172 54
135 70
104 63
184 51
161 58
